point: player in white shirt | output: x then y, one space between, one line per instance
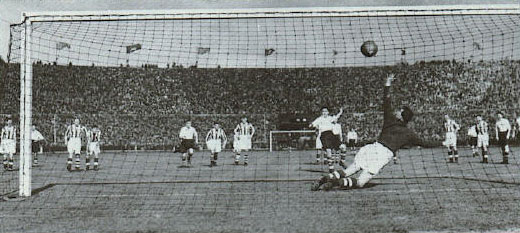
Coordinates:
325 124
450 141
482 138
37 143
516 128
503 133
189 138
472 134
93 147
243 134
73 142
8 144
352 139
216 139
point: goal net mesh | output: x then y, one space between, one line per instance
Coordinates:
141 80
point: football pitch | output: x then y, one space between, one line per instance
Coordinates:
149 192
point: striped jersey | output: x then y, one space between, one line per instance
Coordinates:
8 132
482 128
451 126
94 136
74 131
245 129
216 134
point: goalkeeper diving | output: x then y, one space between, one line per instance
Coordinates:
371 158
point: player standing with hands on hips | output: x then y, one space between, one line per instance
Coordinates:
371 158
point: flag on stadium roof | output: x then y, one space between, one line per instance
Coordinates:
62 45
269 52
201 50
133 48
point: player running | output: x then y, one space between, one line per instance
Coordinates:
189 138
215 140
502 133
325 125
450 142
373 157
37 144
93 141
243 134
73 142
8 144
482 137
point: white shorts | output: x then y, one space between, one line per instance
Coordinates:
214 145
93 147
74 146
373 157
482 140
8 146
451 139
318 143
244 143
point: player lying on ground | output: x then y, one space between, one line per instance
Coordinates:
373 157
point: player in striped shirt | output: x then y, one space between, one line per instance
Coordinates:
215 140
73 142
244 133
482 137
8 144
450 141
502 133
189 138
93 141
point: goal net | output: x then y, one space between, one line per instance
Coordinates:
140 76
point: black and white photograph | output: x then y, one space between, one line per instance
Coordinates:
260 116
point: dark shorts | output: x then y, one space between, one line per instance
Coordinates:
187 144
329 140
35 146
502 138
473 141
351 143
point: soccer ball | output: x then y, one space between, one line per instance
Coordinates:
369 48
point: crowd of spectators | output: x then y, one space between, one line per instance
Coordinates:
148 106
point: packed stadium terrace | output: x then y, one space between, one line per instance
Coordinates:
148 106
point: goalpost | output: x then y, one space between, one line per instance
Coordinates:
294 41
288 132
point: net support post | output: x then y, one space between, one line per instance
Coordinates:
25 111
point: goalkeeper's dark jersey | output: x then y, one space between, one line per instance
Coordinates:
395 135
